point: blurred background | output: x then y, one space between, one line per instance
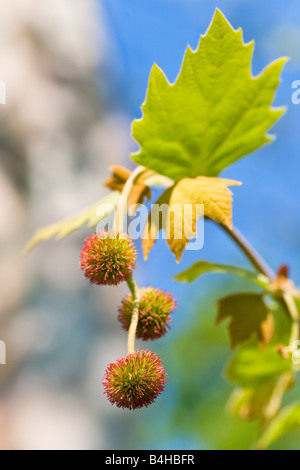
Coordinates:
76 73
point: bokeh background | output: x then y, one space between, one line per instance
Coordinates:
76 74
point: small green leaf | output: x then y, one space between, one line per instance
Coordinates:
287 420
203 267
91 216
248 316
215 113
251 367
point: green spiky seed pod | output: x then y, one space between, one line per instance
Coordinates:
155 308
108 258
134 381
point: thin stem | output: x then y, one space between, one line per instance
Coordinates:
254 257
119 222
274 404
292 309
122 207
135 314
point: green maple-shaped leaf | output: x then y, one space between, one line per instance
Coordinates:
215 113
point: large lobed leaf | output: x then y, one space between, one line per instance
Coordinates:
215 113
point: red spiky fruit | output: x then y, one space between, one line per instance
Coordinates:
134 381
108 258
155 308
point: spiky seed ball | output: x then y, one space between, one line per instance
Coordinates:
155 307
108 258
134 381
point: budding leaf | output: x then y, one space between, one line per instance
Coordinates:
91 216
216 111
248 316
251 367
140 192
180 211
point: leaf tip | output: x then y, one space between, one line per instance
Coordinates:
219 14
176 250
146 249
31 244
285 59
